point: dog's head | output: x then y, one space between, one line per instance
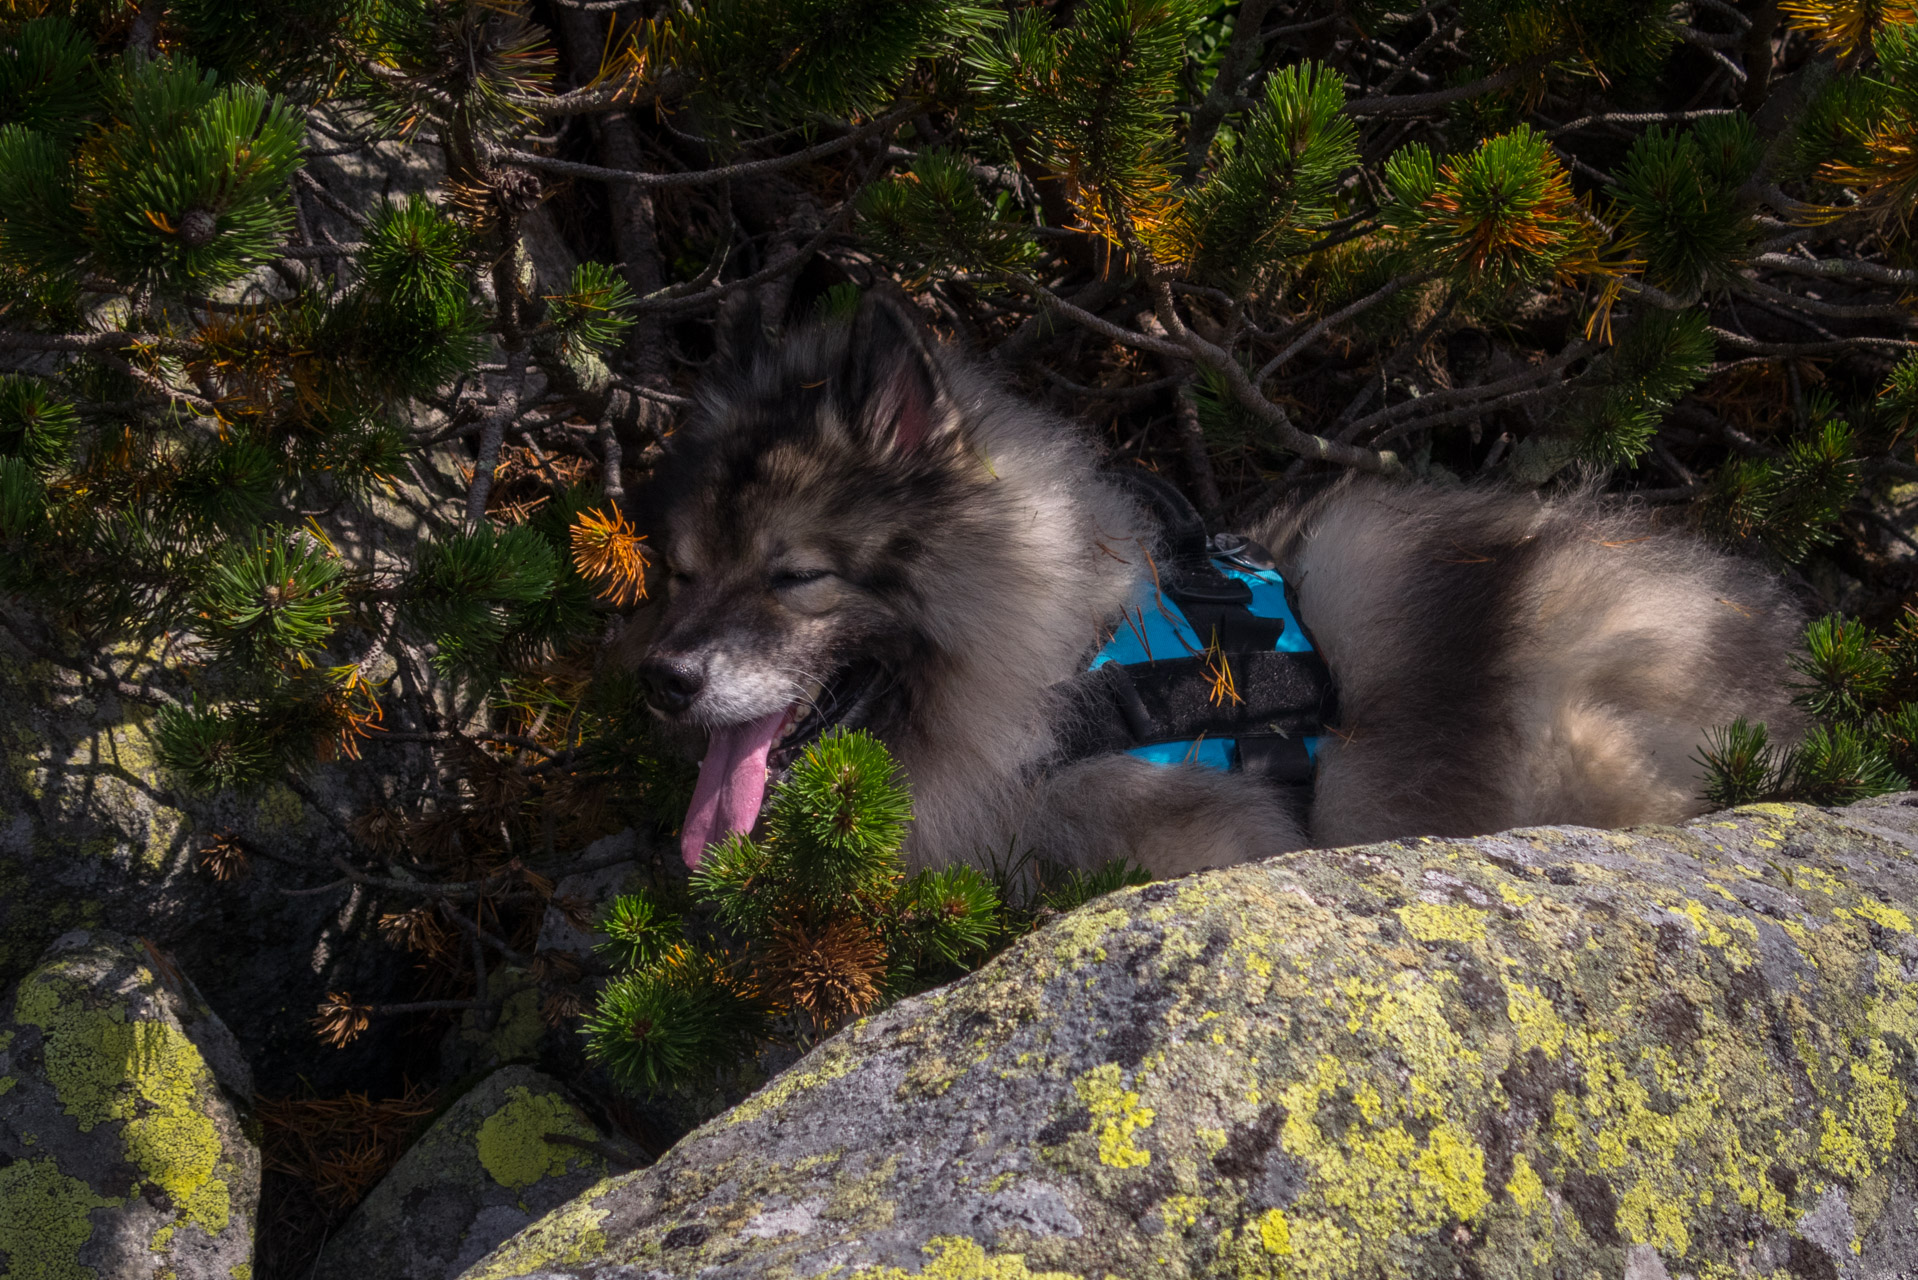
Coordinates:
794 513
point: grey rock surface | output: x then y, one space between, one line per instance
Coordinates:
496 1160
122 1152
1555 1053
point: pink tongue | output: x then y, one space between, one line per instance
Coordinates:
732 783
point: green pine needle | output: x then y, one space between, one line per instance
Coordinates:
953 914
35 425
469 589
934 220
637 931
1276 185
1071 888
23 500
1846 673
278 600
1660 356
679 1019
839 819
1741 766
1840 764
592 315
212 751
737 877
1679 195
49 81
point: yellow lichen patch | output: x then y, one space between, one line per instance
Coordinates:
1856 1139
143 1072
1770 809
1534 1018
43 1221
1178 1212
1116 1116
1454 1165
568 1235
1895 1006
1818 878
958 1258
1646 1215
1439 922
1275 1234
790 1085
1710 933
862 1200
1882 914
1076 939
512 1141
1525 1187
1513 896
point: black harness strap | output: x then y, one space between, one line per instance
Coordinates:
1283 697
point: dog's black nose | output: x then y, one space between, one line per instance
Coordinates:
674 682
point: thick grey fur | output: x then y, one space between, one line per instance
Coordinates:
1502 658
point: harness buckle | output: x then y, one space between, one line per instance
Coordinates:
1243 552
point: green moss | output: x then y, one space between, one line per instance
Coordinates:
44 1222
144 1073
512 1141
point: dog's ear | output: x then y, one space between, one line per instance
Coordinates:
895 389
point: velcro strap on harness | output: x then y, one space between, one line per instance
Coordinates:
1283 697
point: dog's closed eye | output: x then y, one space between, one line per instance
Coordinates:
787 579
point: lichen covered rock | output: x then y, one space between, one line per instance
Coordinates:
497 1159
121 1154
1552 1053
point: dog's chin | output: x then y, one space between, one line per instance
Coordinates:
849 699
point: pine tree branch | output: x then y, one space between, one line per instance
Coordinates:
1416 104
492 432
1098 324
1165 308
725 173
1198 458
478 934
1473 399
669 83
1219 99
1829 310
1845 268
773 270
1639 117
1739 342
1340 316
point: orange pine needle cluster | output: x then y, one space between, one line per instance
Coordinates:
607 551
418 930
222 857
339 1021
1846 26
832 973
1224 688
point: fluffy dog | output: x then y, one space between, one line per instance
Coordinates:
859 529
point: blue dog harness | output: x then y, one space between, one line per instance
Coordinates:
1209 665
